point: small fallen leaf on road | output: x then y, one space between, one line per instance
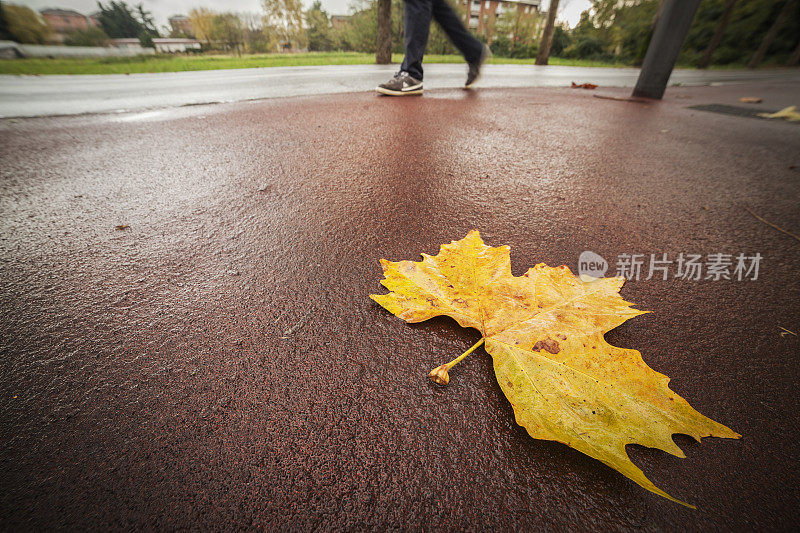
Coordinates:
121 227
544 331
750 100
583 86
789 113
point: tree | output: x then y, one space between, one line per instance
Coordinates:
146 20
718 33
257 37
228 29
118 21
202 22
515 34
383 55
771 34
561 40
286 17
25 25
320 33
547 35
4 33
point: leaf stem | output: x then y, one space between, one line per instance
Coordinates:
440 373
455 361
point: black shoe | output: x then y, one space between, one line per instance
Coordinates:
474 71
402 84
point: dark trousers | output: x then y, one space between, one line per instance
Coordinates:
418 15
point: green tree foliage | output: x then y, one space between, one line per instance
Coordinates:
614 29
24 25
146 20
89 37
119 21
4 33
515 34
320 32
360 32
228 30
749 23
561 40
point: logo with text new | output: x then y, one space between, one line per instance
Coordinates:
591 266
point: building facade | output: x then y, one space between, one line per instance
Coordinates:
65 21
181 25
482 14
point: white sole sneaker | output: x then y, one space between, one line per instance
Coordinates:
408 91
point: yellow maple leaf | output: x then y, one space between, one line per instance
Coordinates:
544 331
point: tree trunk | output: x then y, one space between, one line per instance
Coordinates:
717 38
665 47
771 34
543 55
384 54
795 57
639 59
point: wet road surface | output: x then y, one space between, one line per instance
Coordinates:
218 364
68 95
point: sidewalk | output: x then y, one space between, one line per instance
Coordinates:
216 361
68 95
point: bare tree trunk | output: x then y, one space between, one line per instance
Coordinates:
543 56
384 54
717 38
771 34
795 57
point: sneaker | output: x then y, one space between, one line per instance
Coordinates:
402 84
474 71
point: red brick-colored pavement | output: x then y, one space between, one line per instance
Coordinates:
217 363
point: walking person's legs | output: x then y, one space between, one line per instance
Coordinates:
470 47
417 19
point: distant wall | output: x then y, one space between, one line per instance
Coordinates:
10 49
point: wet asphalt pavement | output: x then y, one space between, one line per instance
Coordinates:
217 363
32 96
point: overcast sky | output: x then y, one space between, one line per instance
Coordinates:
570 10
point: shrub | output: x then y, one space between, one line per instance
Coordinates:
87 37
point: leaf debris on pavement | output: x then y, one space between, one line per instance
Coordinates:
789 113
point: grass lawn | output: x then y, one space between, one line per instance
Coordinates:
175 63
